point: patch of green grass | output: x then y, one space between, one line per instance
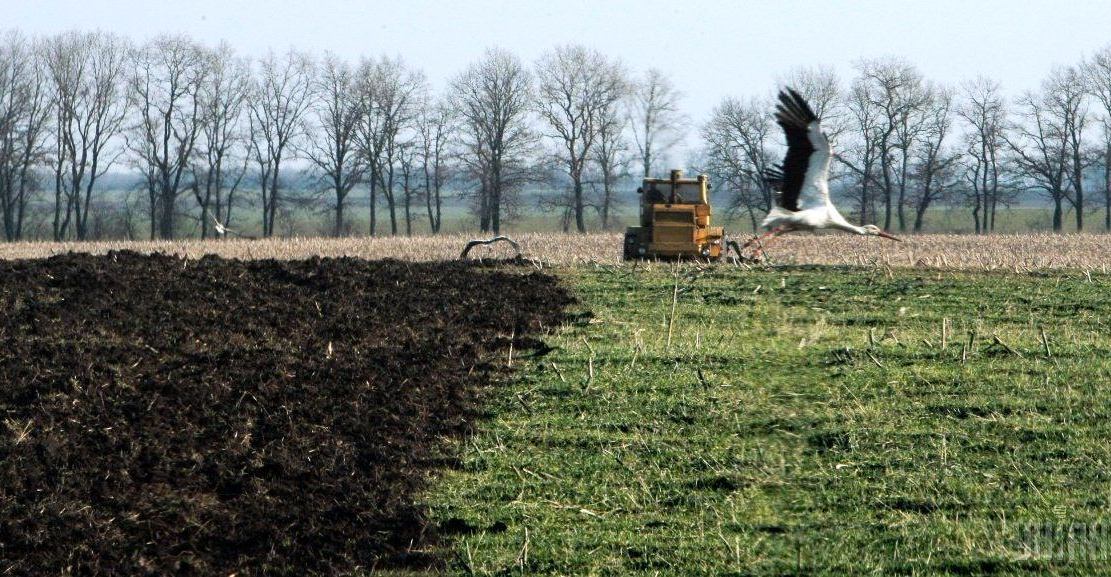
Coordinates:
802 420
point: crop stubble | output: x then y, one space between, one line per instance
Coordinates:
1016 252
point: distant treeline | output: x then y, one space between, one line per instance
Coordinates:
222 144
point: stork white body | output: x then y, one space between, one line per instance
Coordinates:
802 201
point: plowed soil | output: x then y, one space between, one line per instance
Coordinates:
209 417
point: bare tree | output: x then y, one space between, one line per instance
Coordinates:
371 132
984 113
612 157
1039 145
894 89
88 76
737 154
392 96
165 91
334 152
1049 140
24 111
1068 97
218 173
658 123
438 125
493 98
576 88
281 95
933 165
861 154
410 183
1098 73
910 129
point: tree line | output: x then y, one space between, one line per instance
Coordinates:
904 143
218 140
214 134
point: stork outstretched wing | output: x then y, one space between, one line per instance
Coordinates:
806 166
773 175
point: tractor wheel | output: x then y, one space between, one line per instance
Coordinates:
632 242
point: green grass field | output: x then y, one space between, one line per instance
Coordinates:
798 420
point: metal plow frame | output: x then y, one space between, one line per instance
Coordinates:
500 238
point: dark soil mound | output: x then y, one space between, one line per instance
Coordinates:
164 416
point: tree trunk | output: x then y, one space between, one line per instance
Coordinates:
408 215
884 166
373 195
388 191
580 222
902 192
605 203
495 198
976 213
21 209
439 212
484 208
428 199
206 203
267 199
264 184
495 205
153 196
57 207
992 210
218 190
986 214
863 201
9 213
166 219
337 231
270 218
227 207
1107 188
1078 175
78 210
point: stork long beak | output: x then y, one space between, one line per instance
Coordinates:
890 236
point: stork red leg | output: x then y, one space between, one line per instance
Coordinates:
759 238
775 232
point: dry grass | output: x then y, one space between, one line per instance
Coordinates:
1007 252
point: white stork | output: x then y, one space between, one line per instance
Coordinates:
802 201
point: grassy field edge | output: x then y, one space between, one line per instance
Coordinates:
822 420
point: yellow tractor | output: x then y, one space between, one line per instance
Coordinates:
674 220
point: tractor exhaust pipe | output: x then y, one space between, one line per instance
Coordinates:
675 176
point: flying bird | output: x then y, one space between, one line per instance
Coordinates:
223 231
802 181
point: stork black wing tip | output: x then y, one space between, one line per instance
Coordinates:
791 100
773 175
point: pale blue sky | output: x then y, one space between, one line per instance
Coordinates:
712 49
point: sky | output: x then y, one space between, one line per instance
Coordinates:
710 49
